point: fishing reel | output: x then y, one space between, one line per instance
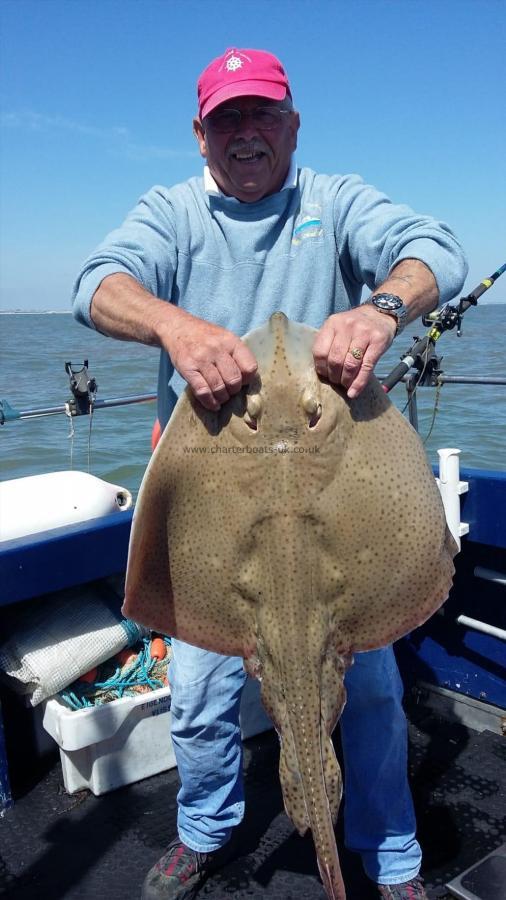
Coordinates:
448 317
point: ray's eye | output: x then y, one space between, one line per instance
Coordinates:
253 411
316 416
312 407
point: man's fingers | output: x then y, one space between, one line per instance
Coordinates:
331 352
362 376
353 363
225 377
202 391
214 383
245 360
321 348
231 373
335 363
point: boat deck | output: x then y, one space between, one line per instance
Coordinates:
82 847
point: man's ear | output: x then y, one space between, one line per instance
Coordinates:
198 130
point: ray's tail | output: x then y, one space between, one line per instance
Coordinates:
302 676
309 773
332 882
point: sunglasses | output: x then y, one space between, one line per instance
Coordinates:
265 118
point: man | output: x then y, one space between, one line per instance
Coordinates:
190 270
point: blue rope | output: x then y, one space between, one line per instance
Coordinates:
134 632
138 673
74 701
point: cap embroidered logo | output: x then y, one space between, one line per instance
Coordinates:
234 63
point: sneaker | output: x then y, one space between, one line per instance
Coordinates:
180 872
410 890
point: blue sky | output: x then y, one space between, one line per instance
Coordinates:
97 98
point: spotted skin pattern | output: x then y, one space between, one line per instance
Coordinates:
292 528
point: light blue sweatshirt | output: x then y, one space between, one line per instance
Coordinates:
306 250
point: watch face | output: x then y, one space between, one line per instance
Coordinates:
387 302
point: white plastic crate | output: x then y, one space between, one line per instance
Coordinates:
105 747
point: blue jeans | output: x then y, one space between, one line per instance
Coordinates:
378 812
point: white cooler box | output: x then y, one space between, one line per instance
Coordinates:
105 747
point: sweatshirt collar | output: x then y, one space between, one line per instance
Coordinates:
212 189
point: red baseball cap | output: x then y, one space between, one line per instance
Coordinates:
241 73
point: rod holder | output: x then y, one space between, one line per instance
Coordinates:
451 487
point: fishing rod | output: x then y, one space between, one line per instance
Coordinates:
421 355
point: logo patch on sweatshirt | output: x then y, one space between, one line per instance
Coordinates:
308 225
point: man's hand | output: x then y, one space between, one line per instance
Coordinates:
349 344
213 361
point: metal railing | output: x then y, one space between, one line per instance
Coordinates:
9 413
413 385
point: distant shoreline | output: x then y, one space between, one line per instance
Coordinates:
68 312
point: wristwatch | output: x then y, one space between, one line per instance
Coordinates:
390 305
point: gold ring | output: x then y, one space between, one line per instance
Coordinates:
356 352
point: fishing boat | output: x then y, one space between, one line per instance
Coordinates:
66 833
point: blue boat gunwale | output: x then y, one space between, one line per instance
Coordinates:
65 557
75 554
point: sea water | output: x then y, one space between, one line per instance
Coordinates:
35 347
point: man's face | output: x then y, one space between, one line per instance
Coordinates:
248 163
